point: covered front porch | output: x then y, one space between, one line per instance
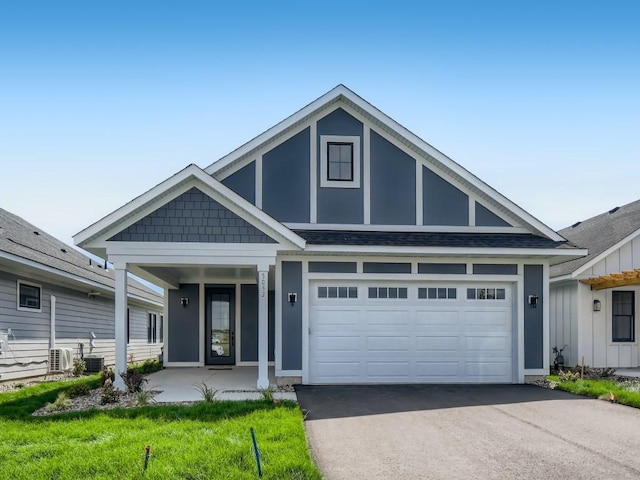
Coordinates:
230 383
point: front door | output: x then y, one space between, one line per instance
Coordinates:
220 326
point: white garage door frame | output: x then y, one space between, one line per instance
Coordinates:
386 338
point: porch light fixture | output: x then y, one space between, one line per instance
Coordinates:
597 305
184 301
533 301
293 298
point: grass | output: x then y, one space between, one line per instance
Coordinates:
203 441
600 389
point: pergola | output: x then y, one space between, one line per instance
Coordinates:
611 280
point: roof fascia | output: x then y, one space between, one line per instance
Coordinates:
512 252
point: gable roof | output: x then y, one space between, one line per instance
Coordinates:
93 237
600 235
22 242
342 94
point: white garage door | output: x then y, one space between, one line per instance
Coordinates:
371 332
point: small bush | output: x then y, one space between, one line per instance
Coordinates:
107 374
79 390
144 398
79 366
133 380
267 393
150 366
109 393
568 376
60 403
208 393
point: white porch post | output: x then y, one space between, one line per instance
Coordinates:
263 326
121 323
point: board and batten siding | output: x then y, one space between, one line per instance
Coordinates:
563 322
76 317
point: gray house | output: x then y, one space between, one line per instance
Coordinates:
53 298
594 311
339 247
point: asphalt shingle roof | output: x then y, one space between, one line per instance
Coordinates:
428 239
598 234
20 238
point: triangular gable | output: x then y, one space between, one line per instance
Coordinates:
134 217
192 217
431 157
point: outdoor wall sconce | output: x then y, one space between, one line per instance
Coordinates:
293 298
597 305
184 301
533 301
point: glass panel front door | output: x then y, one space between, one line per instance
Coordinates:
220 326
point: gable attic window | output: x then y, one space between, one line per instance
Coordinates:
29 297
339 161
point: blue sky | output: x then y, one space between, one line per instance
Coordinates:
100 101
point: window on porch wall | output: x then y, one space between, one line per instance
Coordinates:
623 318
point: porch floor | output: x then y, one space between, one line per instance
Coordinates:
179 384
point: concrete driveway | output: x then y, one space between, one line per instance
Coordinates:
468 432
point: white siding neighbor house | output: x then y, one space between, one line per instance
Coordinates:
594 299
54 300
339 247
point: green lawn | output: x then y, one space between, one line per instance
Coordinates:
600 389
204 441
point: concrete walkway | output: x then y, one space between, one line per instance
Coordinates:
231 383
462 432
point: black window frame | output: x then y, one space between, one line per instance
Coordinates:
152 323
616 304
339 162
24 305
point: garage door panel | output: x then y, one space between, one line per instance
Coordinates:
437 343
337 343
338 369
487 369
388 343
388 369
437 369
492 318
387 319
487 343
332 317
437 318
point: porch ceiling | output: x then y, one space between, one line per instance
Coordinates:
611 280
206 273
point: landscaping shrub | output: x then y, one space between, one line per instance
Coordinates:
79 366
109 393
78 390
107 373
133 380
60 403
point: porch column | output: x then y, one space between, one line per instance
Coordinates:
121 323
263 326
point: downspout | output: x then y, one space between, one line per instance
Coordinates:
52 328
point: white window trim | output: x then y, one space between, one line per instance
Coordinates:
30 284
324 172
155 314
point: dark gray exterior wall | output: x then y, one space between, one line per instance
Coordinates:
192 217
333 267
393 177
380 267
486 218
442 203
291 316
249 323
285 180
340 205
443 268
494 269
533 323
184 324
76 314
243 182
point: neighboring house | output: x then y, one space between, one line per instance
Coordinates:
53 296
344 249
594 299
